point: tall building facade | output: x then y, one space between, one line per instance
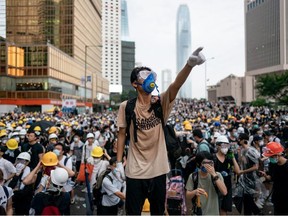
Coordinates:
52 55
3 18
111 37
128 49
266 34
124 21
183 46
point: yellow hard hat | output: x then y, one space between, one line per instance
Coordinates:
49 159
13 125
188 127
97 152
3 133
37 128
186 122
2 124
12 144
52 129
20 122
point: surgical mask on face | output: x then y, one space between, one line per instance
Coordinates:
273 160
22 137
224 150
149 84
57 152
270 139
261 143
96 160
61 141
76 139
203 169
235 134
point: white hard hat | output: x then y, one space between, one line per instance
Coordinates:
90 135
52 136
23 132
24 155
14 134
222 139
59 176
19 128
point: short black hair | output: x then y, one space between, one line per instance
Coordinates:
243 136
198 133
112 160
135 72
201 156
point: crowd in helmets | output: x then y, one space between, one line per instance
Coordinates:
237 152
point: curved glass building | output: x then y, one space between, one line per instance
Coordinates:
183 40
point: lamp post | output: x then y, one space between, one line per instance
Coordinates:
86 49
206 75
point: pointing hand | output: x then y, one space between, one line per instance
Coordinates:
197 58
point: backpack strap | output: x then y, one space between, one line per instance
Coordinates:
130 115
6 191
66 160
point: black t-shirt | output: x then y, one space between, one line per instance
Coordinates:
11 156
225 169
279 176
34 150
44 199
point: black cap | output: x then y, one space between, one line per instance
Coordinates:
257 138
243 136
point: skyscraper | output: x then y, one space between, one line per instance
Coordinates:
111 37
166 79
44 58
265 35
266 32
124 21
183 46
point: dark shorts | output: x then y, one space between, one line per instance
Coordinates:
139 189
226 201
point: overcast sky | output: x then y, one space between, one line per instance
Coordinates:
217 25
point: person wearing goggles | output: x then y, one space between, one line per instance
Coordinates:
147 162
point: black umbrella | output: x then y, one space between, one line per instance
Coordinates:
43 124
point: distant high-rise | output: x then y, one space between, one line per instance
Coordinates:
124 21
266 32
111 37
266 36
166 79
183 40
128 49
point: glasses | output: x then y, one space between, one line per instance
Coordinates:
210 162
224 145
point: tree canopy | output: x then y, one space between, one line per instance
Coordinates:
274 86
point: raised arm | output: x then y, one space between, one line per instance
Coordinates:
195 59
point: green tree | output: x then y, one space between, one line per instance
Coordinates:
274 86
259 102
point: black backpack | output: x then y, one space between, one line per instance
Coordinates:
172 142
97 194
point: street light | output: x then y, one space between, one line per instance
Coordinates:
206 75
86 49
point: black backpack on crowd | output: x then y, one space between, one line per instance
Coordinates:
97 194
172 142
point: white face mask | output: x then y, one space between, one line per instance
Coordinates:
224 150
57 152
261 143
76 139
96 160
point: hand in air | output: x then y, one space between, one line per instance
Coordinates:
197 58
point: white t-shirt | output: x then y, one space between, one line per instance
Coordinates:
7 167
26 171
3 198
86 153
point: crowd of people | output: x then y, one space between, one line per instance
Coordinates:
228 154
238 135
